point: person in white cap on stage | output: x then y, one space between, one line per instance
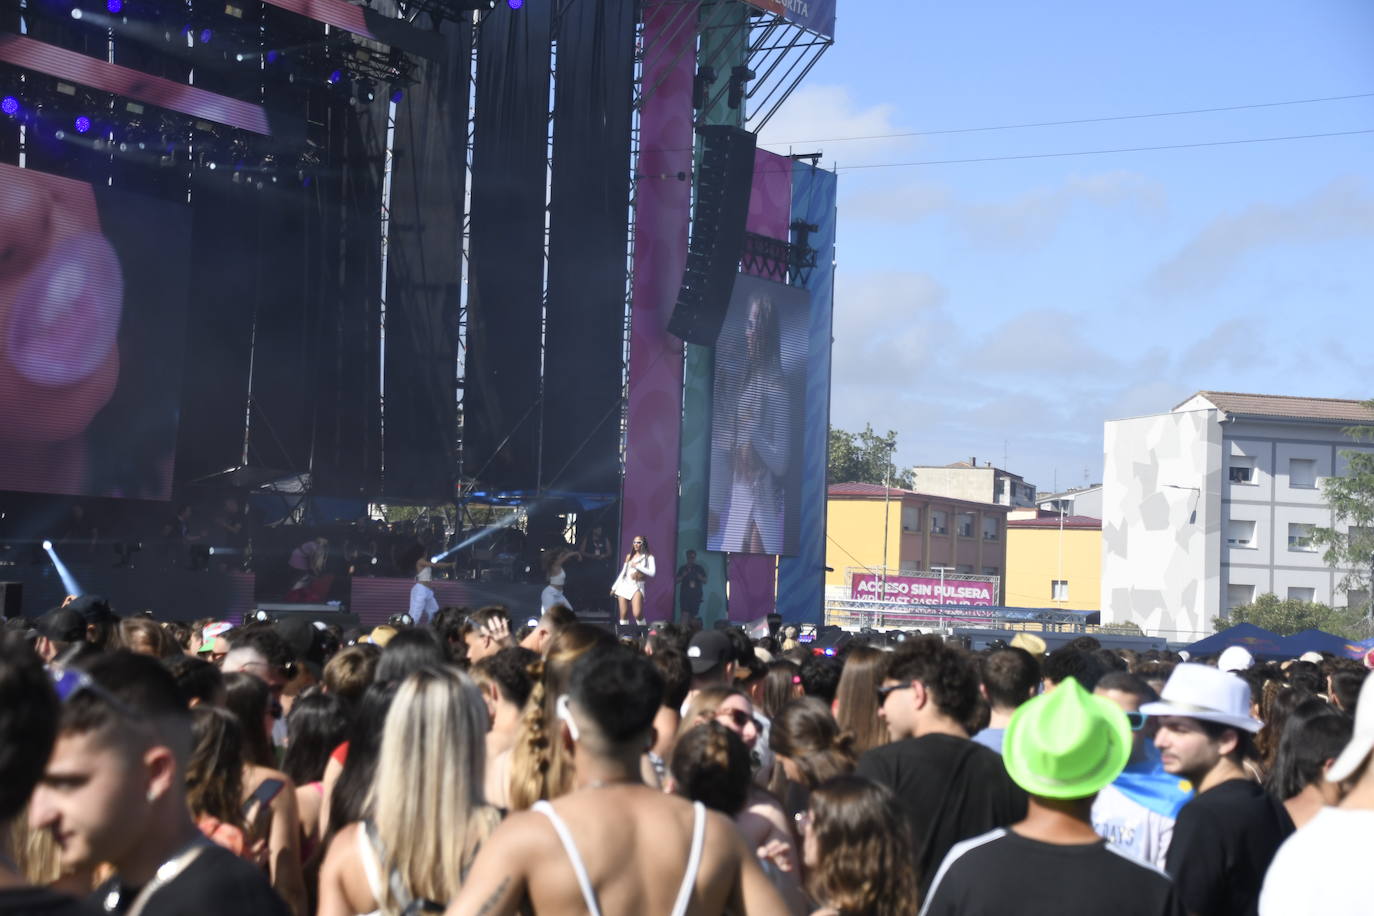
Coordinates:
1338 842
1225 838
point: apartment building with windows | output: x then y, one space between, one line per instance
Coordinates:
968 480
1213 503
1054 561
1086 501
871 526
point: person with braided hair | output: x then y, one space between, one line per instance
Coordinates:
949 787
539 767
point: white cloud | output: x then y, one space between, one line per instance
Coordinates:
1342 209
1032 218
818 118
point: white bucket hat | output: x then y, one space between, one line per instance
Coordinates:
1362 741
1209 694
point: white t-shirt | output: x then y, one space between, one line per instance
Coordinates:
1319 869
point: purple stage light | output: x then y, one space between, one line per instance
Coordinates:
515 4
335 76
272 56
82 124
114 6
9 105
205 36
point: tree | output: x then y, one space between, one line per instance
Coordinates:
1351 497
865 457
1291 616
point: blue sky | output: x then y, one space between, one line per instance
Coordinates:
1012 307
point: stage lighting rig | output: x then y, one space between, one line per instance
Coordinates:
739 78
439 10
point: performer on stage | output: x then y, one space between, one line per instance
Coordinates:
424 571
557 577
628 588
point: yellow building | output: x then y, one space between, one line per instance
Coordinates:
920 532
1054 562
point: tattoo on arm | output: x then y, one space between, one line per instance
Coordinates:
489 905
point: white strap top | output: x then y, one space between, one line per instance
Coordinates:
689 880
372 869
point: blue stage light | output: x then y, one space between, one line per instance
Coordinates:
82 124
10 105
205 36
272 56
515 4
335 76
397 95
114 6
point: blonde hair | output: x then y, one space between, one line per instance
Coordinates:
540 766
426 798
856 698
704 704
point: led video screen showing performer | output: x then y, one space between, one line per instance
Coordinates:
93 288
756 424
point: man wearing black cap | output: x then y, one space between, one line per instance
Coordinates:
101 622
712 658
57 631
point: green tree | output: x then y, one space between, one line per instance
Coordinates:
865 457
1351 497
1286 617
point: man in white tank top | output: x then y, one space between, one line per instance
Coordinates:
614 846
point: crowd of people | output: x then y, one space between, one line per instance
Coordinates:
466 767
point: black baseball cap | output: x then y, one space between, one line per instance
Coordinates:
92 608
708 649
61 624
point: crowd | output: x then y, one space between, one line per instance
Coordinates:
462 767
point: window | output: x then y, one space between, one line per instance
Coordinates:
938 522
1300 537
1240 532
1242 469
989 528
911 518
1059 590
1298 593
1239 595
989 570
1302 472
964 568
964 522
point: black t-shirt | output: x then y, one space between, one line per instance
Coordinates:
1224 840
1002 872
692 574
216 883
39 901
949 788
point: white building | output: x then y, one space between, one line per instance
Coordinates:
1211 504
980 483
1079 501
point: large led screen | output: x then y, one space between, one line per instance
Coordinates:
93 287
756 419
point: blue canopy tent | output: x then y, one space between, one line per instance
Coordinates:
1320 641
1260 642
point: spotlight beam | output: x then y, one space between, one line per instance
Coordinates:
68 580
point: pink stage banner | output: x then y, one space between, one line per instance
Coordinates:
663 206
753 578
921 590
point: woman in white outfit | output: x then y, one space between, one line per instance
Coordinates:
557 577
628 588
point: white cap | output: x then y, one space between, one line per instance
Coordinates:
1209 694
1362 741
1313 657
1235 658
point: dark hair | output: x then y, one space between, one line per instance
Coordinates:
948 673
666 636
856 698
779 685
711 765
248 698
214 772
676 672
509 670
28 723
740 645
1310 739
268 643
619 689
317 724
1306 676
1245 741
806 733
1068 661
1010 677
348 801
132 628
1128 683
820 676
864 845
1345 688
1276 704
408 652
142 687
196 678
557 617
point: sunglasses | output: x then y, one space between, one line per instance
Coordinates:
885 692
738 716
1137 720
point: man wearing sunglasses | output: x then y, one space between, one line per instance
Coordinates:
115 791
1136 813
